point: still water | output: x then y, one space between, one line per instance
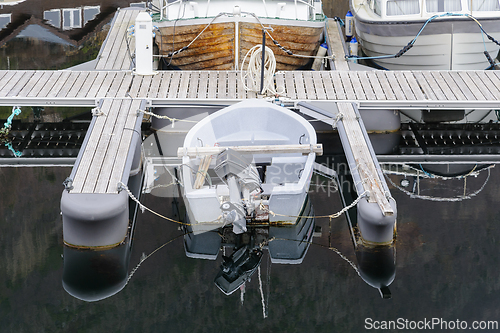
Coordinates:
446 256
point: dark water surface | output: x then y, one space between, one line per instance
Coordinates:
447 265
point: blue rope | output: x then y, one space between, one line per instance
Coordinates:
15 112
7 126
16 153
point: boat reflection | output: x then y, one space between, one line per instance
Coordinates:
376 263
377 266
243 252
95 275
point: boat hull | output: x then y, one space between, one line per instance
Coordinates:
444 44
223 45
251 123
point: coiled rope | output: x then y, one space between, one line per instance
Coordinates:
251 77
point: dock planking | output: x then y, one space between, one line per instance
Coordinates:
378 86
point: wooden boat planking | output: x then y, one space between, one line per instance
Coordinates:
214 49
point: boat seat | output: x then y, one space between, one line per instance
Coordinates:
286 169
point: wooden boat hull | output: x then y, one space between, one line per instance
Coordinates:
215 48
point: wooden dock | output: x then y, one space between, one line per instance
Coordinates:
118 96
377 89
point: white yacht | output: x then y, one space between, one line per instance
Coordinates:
447 33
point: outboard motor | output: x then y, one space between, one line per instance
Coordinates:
237 268
242 178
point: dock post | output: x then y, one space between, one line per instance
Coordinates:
144 44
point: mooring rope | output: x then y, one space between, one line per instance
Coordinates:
366 193
132 196
334 249
264 314
143 258
173 120
440 199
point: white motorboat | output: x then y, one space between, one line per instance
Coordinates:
238 165
437 34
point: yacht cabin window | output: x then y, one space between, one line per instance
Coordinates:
377 7
443 6
485 5
402 7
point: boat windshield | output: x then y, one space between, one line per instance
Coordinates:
443 6
402 7
485 5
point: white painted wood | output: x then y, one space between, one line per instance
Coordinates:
319 87
347 84
81 173
203 85
490 82
449 95
17 75
213 77
269 149
337 85
96 84
457 85
384 82
290 85
310 91
125 141
41 83
478 88
367 87
79 84
393 82
434 85
375 83
115 84
109 129
415 88
232 84
21 84
356 84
